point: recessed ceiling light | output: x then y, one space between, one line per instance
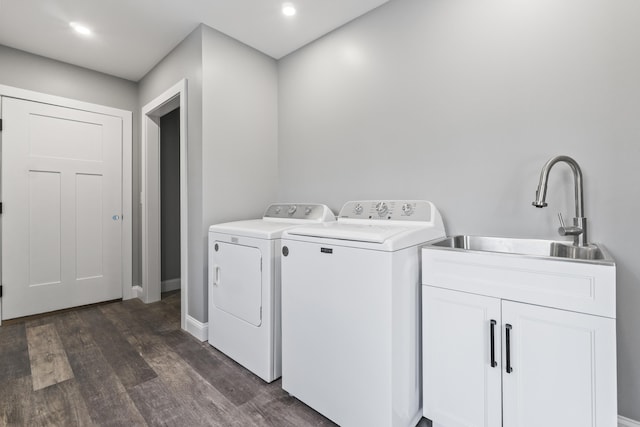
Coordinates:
288 9
85 31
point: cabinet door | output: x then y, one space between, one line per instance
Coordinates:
460 385
563 368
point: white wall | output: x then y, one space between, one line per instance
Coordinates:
461 102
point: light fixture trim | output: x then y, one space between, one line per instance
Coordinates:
80 29
288 9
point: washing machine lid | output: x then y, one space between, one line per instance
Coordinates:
372 233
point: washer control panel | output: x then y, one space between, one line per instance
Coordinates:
304 211
403 210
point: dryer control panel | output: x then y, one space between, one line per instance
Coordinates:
302 211
396 210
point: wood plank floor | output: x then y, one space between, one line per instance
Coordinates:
129 364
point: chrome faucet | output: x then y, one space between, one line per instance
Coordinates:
579 228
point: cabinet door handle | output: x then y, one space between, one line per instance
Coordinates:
492 328
508 328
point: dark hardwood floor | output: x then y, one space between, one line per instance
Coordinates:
129 364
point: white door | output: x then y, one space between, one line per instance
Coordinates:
237 281
461 359
62 199
563 368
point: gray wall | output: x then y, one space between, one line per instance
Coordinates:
232 133
461 103
240 135
40 74
240 103
185 61
170 195
27 71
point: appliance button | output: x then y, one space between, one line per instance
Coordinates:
382 209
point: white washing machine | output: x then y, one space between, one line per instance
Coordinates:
351 312
244 285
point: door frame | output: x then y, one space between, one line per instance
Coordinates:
169 100
127 165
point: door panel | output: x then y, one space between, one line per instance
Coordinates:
44 228
89 237
564 368
461 388
62 194
237 281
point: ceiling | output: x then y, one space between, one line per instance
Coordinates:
131 36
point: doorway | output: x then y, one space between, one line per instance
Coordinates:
172 101
170 202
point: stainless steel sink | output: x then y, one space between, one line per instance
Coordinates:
532 247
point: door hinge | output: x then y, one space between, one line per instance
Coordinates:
0 125
1 294
0 208
260 264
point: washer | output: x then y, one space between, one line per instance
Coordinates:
244 285
351 312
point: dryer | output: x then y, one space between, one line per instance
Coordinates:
244 285
351 312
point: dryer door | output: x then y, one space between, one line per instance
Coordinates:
237 281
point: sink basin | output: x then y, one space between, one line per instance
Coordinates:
532 247
549 273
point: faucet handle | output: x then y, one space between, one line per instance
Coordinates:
561 220
573 230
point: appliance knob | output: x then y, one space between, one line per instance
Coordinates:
292 210
285 251
307 210
382 208
278 210
358 209
407 209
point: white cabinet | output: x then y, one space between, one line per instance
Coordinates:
490 361
563 368
461 388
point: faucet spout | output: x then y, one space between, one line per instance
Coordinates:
579 228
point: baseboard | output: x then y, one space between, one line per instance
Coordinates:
170 285
197 329
137 292
627 422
